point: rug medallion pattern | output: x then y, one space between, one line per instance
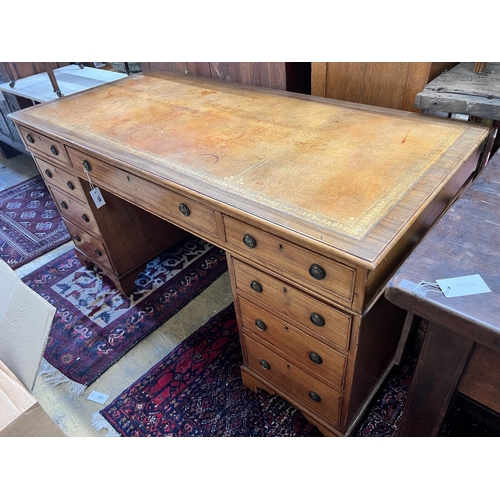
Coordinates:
95 324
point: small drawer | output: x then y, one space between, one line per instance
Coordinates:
36 142
58 177
83 162
159 200
75 211
319 318
293 382
90 246
311 269
313 356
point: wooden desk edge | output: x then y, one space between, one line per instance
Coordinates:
430 310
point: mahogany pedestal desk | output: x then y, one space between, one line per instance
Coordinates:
316 202
461 349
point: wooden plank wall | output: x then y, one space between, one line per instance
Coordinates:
387 84
294 77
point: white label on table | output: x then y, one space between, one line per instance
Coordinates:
97 197
98 397
463 285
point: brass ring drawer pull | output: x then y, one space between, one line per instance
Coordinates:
86 165
64 205
70 185
260 325
315 358
317 319
54 150
317 272
184 209
29 138
265 364
85 217
314 396
256 286
48 173
249 241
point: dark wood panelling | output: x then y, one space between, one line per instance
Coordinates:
294 77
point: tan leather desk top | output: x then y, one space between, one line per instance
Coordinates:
346 175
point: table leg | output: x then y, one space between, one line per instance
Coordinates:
442 360
488 148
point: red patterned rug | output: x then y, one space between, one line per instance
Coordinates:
197 391
30 224
95 325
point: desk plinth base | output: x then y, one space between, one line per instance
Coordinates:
254 383
124 284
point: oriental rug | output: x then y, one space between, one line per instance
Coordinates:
197 391
386 410
95 325
30 224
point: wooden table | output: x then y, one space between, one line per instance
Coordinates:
316 202
38 88
464 91
461 349
71 79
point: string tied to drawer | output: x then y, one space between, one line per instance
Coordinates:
95 192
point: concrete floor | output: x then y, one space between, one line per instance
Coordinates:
74 413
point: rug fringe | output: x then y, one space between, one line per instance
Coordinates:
99 423
54 377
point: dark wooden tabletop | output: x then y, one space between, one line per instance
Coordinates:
466 241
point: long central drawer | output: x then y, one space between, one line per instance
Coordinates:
163 202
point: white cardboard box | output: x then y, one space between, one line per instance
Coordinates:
20 413
25 322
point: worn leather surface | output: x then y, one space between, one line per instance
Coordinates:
338 166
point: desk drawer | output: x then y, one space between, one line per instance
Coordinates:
311 269
90 246
77 212
317 317
292 381
313 356
36 142
157 199
58 177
